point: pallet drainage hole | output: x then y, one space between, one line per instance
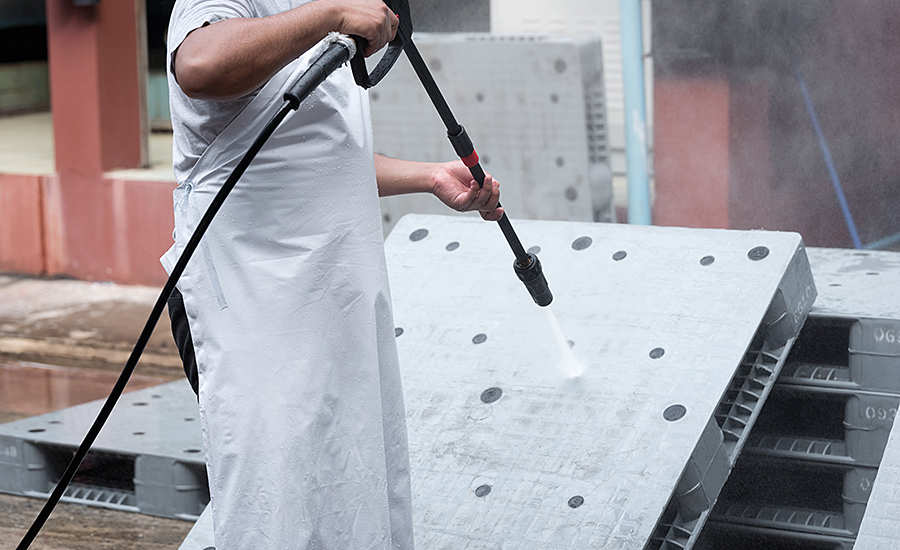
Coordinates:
871 273
398 331
55 422
674 412
758 253
656 353
479 338
619 255
491 394
707 260
571 193
482 491
156 396
576 501
137 433
140 404
418 234
36 430
452 246
192 451
581 243
834 284
534 250
189 419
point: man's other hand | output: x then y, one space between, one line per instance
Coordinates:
454 186
369 19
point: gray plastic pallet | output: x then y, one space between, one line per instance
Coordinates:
147 458
535 107
845 366
686 514
862 288
664 318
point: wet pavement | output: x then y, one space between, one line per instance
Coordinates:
28 389
78 323
77 527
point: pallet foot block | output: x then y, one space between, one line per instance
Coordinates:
146 459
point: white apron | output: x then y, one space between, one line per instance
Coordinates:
289 309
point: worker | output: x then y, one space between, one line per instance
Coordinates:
286 307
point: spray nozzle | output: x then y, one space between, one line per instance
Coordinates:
531 274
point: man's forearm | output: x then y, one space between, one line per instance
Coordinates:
233 57
398 177
450 182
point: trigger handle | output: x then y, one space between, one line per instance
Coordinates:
361 73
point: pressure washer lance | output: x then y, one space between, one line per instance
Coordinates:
526 265
339 51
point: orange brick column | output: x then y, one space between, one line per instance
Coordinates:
98 109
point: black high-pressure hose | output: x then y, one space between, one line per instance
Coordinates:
333 57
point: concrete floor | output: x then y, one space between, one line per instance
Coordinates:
76 527
78 323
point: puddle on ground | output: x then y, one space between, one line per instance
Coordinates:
28 389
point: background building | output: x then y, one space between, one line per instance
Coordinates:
85 160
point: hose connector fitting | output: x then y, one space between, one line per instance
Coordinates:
532 276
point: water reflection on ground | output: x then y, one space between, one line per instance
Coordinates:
28 389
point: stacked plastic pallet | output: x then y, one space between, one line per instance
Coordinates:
534 106
812 459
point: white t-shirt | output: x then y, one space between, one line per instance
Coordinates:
196 122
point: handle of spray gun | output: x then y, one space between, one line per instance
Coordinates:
394 49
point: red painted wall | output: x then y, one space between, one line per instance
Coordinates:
735 146
691 149
95 85
143 221
40 217
22 239
97 228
